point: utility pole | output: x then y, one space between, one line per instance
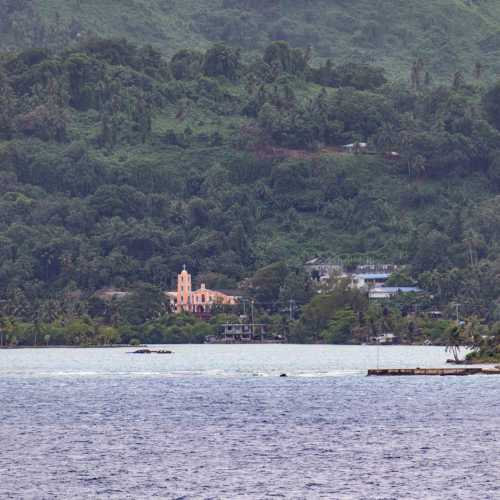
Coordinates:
457 306
253 322
291 309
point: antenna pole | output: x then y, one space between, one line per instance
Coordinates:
253 322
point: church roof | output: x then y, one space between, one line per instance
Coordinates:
228 292
233 292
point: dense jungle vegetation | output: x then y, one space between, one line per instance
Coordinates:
118 166
448 35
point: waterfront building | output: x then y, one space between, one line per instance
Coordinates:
385 339
245 333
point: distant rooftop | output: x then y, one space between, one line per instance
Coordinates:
396 289
373 276
111 293
233 292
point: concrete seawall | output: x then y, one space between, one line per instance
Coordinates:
436 372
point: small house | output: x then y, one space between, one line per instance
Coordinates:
356 147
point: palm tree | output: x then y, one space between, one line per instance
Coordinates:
458 80
454 340
414 163
478 70
416 74
473 243
418 165
386 137
473 333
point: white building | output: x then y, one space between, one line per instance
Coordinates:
369 280
388 292
385 339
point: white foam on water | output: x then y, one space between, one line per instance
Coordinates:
333 373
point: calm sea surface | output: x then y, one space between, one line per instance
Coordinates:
213 422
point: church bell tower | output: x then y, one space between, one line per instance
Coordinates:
184 291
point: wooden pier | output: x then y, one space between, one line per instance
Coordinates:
434 372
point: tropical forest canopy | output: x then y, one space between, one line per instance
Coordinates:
448 35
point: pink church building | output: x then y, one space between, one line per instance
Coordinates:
200 301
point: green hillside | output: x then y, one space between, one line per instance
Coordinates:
118 166
120 163
448 35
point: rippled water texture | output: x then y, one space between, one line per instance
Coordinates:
218 422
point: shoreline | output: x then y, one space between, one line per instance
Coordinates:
43 347
117 346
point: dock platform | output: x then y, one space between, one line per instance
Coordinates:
435 372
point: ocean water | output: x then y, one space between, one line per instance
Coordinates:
210 422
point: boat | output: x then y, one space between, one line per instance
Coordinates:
150 351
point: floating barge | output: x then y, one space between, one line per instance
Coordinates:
434 372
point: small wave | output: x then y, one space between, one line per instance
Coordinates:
214 373
53 374
333 373
312 374
81 374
